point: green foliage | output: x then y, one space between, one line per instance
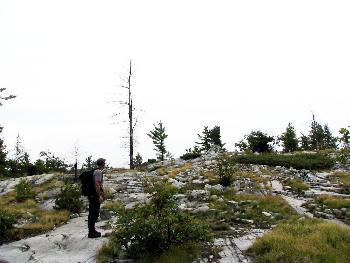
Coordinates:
157 226
89 164
289 139
297 161
304 143
138 161
297 185
344 139
329 141
191 154
24 190
210 138
256 141
2 156
158 137
320 137
224 169
7 220
53 163
303 241
69 198
343 179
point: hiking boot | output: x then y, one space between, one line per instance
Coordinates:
94 234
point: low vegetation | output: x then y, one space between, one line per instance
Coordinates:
24 190
246 211
152 230
303 241
298 161
30 219
225 168
70 198
335 205
297 186
343 179
7 220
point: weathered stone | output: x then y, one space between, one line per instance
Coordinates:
201 209
232 204
105 214
266 214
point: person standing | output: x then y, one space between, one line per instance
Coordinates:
96 200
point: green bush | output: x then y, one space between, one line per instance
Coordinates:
24 190
6 221
190 155
297 161
69 198
224 169
153 228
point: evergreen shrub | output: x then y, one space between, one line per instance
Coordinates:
24 190
225 168
156 227
7 220
70 198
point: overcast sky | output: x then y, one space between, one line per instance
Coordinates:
242 65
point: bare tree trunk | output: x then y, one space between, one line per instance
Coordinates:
131 128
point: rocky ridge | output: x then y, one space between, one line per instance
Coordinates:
199 193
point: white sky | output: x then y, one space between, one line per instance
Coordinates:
242 65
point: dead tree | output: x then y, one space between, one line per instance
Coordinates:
132 120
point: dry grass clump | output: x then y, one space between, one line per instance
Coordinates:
47 220
252 176
333 202
41 220
304 241
297 185
343 179
174 172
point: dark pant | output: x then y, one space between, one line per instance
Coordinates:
94 212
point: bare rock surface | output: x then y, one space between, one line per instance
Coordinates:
68 243
9 185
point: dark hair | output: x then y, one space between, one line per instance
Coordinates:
100 161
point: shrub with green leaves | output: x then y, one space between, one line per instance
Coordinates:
6 221
24 190
191 154
153 228
297 161
225 168
69 198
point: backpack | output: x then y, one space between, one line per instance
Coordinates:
87 183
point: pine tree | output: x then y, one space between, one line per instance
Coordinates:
215 137
2 156
304 142
204 139
345 137
289 139
209 138
158 137
330 142
316 135
138 161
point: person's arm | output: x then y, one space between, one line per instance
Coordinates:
98 187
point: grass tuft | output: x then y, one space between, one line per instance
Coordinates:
303 241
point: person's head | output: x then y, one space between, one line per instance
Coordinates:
101 162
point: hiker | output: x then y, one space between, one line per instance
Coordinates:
96 199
